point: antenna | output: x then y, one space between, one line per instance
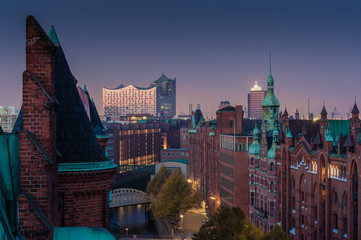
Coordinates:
308 108
270 65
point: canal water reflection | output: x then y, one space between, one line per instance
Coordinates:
135 218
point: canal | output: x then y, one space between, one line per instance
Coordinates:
135 219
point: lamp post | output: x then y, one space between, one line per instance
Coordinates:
182 217
126 232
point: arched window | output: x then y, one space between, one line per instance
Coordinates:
252 179
272 167
252 161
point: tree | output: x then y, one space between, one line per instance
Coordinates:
227 223
155 185
230 224
175 198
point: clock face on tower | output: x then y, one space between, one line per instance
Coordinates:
266 110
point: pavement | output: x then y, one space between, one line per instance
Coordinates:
192 221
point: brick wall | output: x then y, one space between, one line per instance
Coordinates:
85 196
37 176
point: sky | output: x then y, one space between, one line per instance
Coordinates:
215 49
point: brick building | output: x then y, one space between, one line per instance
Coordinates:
218 151
64 175
134 144
174 153
262 164
304 176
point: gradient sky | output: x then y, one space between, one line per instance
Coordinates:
215 49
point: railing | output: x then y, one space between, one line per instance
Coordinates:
127 196
137 168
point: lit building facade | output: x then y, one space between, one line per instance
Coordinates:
262 164
255 98
134 144
218 153
159 99
304 175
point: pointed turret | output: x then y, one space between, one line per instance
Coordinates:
355 109
355 116
272 151
270 104
85 89
323 112
255 146
52 35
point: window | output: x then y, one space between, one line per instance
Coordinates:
272 167
252 198
252 179
252 161
231 124
272 203
271 186
335 221
344 225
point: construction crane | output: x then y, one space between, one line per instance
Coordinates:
348 113
334 113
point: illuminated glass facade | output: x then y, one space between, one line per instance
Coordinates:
159 99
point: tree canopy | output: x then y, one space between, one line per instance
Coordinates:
230 224
175 198
155 185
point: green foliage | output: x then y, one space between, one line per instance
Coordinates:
175 198
230 224
155 185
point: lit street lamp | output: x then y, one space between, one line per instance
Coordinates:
182 217
126 232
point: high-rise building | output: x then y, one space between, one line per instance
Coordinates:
159 99
255 98
8 116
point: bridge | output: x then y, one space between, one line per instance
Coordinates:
127 196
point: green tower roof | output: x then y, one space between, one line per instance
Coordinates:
52 35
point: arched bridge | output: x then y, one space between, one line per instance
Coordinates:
127 196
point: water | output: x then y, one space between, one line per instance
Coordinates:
135 218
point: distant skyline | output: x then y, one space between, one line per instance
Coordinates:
215 49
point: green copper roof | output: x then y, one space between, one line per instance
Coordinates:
255 147
328 136
339 126
76 233
86 166
84 88
270 100
288 133
52 35
184 161
272 151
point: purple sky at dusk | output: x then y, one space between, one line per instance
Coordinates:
215 49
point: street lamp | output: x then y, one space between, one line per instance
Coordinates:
213 197
189 180
181 216
126 232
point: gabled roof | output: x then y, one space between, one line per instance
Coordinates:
75 139
162 78
349 142
94 116
227 109
297 126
